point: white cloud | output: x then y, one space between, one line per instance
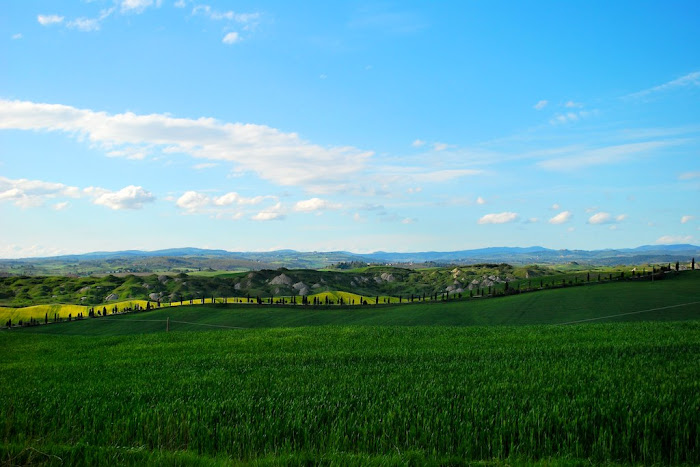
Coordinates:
129 197
686 219
31 193
533 220
408 220
500 218
439 146
540 105
283 158
620 217
573 105
689 175
61 206
568 117
205 165
231 38
600 218
480 200
270 214
46 20
691 79
555 207
414 190
315 204
17 36
215 15
84 24
180 4
193 202
561 218
674 239
418 143
606 155
137 6
33 251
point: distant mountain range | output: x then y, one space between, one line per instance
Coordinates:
188 259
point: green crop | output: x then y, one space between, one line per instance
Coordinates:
602 393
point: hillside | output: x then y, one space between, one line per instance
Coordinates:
16 291
677 298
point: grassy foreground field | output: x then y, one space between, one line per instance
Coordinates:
336 395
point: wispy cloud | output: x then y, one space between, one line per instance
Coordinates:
231 38
606 218
540 105
283 158
17 36
689 175
602 156
689 80
418 143
46 20
686 219
498 218
31 193
561 218
674 239
137 6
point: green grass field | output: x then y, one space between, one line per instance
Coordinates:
491 381
340 395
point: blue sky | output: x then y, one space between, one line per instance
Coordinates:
360 126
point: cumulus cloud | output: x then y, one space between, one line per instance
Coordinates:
273 213
31 193
193 202
540 105
418 143
231 38
674 239
315 204
499 218
282 158
46 20
561 218
686 219
129 197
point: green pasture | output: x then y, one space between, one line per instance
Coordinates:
593 394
